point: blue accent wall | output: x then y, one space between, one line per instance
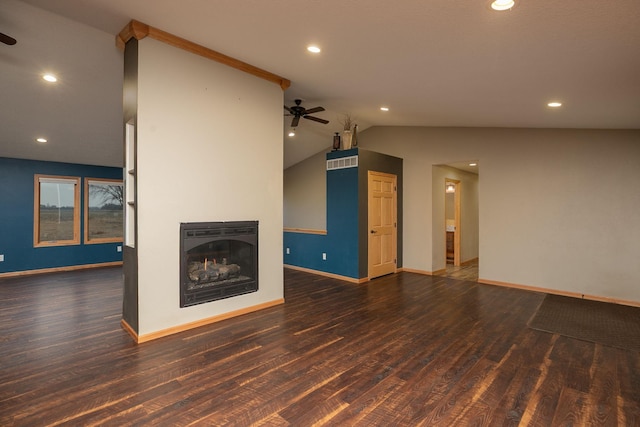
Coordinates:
347 219
341 241
306 250
16 218
342 222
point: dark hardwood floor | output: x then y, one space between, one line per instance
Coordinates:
401 350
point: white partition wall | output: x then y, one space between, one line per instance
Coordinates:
209 148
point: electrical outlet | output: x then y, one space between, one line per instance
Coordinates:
119 248
324 256
2 258
288 251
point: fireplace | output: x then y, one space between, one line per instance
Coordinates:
217 260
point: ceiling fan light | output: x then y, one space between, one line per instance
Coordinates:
292 133
502 4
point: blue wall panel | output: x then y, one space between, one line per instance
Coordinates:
342 221
305 250
16 218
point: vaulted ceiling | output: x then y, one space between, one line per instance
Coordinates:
433 63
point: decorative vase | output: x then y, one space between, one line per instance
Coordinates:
346 139
354 139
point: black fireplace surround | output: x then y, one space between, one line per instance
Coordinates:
217 260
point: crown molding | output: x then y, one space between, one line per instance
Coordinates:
138 30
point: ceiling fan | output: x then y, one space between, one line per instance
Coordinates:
7 40
297 111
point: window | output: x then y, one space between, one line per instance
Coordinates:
56 210
103 210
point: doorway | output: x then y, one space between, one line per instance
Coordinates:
455 215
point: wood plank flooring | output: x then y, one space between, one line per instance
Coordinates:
401 350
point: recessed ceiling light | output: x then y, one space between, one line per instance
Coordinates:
384 108
473 164
502 5
50 78
554 104
313 49
41 140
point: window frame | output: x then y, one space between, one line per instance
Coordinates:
75 180
98 240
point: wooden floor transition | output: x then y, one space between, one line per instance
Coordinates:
401 350
467 271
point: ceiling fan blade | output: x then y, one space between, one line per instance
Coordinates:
295 121
7 40
314 110
317 119
288 109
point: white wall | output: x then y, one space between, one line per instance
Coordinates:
558 208
210 148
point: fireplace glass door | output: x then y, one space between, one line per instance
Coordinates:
218 260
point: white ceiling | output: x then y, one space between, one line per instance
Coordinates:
432 62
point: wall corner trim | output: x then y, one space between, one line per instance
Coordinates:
138 30
129 329
133 30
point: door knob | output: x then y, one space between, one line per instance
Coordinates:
373 231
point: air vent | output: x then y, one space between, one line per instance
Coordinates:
342 163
